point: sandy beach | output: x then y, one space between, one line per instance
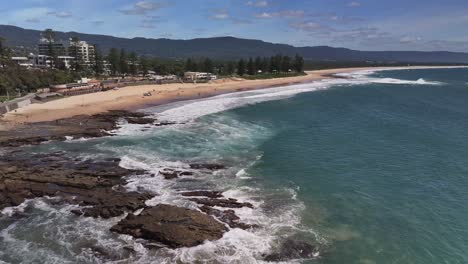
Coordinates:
131 98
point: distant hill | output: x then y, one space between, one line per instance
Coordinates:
229 48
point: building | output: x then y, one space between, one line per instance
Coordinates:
82 51
51 48
84 86
194 76
22 61
43 61
67 61
40 61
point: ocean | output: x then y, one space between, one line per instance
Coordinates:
369 169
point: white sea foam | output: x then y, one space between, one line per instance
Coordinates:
190 110
214 140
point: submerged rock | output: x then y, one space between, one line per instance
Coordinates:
173 226
227 216
207 166
170 174
209 194
292 249
229 203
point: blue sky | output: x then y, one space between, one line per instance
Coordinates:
357 24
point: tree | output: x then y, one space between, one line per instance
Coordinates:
298 63
49 34
275 63
285 64
258 64
208 66
265 65
191 65
114 60
5 53
98 61
144 64
251 67
2 48
231 67
133 60
123 62
241 67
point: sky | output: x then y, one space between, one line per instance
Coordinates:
424 25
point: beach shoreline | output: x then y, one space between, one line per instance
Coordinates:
131 98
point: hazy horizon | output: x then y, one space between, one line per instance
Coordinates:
360 24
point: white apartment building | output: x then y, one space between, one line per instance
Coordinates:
82 51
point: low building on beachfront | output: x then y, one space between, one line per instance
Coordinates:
195 76
83 86
156 77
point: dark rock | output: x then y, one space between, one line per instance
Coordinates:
170 174
229 203
81 126
173 226
207 166
227 216
90 183
140 120
209 194
165 123
292 249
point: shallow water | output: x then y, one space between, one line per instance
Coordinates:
370 170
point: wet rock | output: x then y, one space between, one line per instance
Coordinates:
209 194
165 123
172 226
11 169
293 249
88 183
227 216
207 166
170 174
81 126
229 203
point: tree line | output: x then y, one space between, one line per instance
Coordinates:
15 79
122 63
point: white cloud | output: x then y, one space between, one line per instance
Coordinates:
63 14
309 26
34 20
257 3
409 39
97 22
283 14
354 4
142 8
221 14
264 15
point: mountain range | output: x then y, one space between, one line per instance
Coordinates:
227 48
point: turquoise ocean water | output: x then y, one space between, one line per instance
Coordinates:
373 169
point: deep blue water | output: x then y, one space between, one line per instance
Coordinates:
375 172
382 168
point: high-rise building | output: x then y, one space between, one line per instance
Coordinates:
82 51
51 48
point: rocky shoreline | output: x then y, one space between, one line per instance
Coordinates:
97 186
